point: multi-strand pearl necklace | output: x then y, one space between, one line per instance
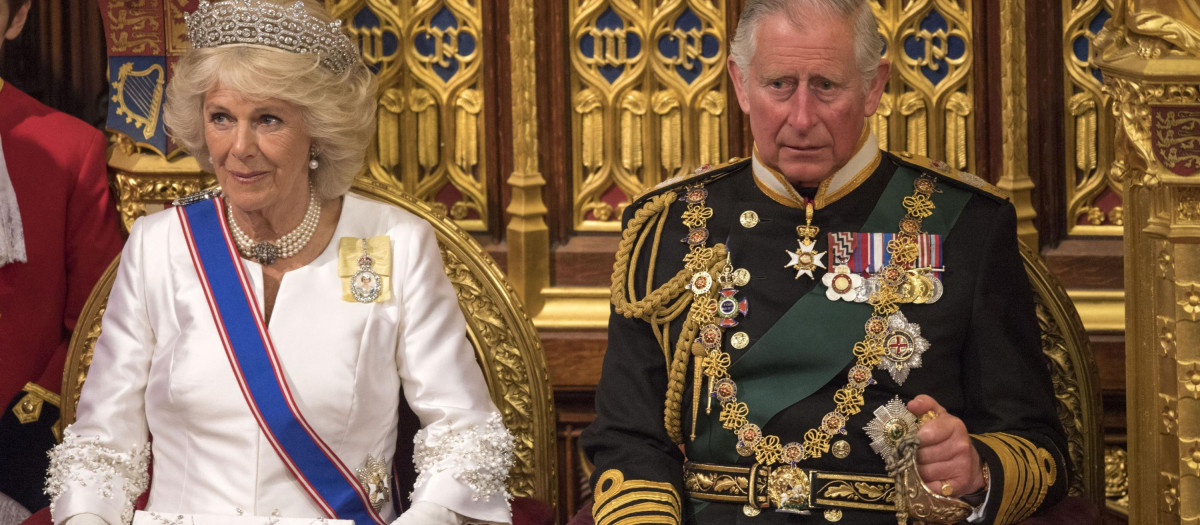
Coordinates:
286 246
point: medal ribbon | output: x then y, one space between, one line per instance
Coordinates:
866 253
251 354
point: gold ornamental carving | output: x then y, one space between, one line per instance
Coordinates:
1014 121
648 99
82 347
431 121
927 108
145 183
1093 197
1116 479
1074 378
1151 69
527 234
135 191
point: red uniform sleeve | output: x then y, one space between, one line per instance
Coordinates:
93 239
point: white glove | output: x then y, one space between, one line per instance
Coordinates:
424 513
86 518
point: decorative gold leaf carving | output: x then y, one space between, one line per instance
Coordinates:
1116 476
428 58
648 94
135 191
1073 376
1088 143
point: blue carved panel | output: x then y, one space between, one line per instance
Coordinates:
689 46
608 46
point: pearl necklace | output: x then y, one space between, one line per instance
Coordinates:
286 246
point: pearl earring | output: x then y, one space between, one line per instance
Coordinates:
313 164
312 156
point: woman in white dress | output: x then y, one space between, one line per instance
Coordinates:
259 340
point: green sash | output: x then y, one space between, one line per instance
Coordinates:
812 342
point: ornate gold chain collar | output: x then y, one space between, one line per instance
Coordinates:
714 362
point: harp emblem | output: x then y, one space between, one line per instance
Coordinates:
139 96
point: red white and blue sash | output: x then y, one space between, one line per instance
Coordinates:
256 366
866 253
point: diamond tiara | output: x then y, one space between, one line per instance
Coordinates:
255 22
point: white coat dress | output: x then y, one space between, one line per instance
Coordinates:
160 381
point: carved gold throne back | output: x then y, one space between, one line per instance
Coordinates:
1076 382
506 344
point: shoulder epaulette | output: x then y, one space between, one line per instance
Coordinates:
944 171
703 175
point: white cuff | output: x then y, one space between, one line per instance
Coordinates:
87 477
977 513
86 518
426 513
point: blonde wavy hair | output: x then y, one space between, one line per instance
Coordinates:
338 109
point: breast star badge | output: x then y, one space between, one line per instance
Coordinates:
902 347
892 422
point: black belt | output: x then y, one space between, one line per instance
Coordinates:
788 488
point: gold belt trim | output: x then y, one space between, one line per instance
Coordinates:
788 488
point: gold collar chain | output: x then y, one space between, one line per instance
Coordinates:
715 362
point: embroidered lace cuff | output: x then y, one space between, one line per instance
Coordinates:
478 456
80 463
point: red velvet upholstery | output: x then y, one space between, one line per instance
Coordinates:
529 511
41 517
584 516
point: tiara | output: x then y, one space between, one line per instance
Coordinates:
256 22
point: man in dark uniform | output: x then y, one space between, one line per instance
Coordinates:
783 324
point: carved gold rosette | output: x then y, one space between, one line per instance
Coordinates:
1149 54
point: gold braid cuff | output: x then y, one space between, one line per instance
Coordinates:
620 502
1028 472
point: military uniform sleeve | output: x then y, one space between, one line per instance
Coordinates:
638 468
1010 405
93 234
